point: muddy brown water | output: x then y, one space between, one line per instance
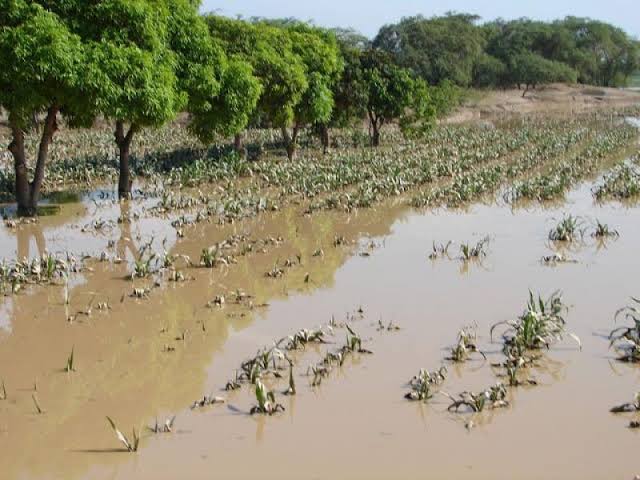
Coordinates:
356 425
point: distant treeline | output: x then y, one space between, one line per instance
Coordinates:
456 47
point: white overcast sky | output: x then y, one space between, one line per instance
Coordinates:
368 16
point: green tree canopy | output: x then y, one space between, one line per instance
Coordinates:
437 49
150 60
600 53
269 50
319 51
532 70
392 93
131 67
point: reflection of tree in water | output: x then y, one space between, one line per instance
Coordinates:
126 239
24 235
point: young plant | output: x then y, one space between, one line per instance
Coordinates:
266 401
131 446
69 367
209 257
465 346
166 427
233 384
301 338
626 340
474 252
603 230
440 250
423 384
493 397
142 266
541 324
569 229
354 342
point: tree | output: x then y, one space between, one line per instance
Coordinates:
220 87
132 70
349 92
269 51
532 70
43 71
320 55
489 72
154 59
600 53
392 93
436 49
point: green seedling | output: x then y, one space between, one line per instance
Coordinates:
266 401
142 266
541 324
569 229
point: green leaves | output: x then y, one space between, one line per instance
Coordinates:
437 49
42 61
230 111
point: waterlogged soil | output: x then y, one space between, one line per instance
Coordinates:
153 357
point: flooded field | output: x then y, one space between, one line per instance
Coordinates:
142 350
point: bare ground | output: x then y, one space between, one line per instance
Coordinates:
556 98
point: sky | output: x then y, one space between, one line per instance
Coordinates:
367 16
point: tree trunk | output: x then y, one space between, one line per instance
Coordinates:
375 124
50 128
16 147
376 136
238 145
526 89
290 141
324 138
124 145
28 194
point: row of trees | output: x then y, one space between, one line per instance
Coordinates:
135 63
507 53
139 63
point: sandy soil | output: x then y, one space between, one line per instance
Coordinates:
556 98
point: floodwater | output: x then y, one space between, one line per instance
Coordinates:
148 358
